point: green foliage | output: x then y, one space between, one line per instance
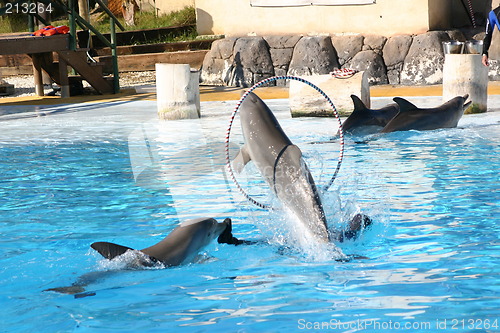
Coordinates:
13 23
149 20
475 108
144 20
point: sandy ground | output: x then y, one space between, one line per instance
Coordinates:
24 85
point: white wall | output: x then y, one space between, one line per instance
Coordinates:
167 6
385 17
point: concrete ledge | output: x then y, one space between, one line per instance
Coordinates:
306 101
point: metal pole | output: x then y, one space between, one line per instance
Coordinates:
116 74
72 25
31 22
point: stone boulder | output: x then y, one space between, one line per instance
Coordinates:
251 62
394 53
313 55
218 61
282 42
375 43
347 47
425 59
6 88
371 63
456 35
281 49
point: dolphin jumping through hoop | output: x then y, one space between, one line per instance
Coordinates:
281 164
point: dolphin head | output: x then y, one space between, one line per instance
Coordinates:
259 122
185 241
204 229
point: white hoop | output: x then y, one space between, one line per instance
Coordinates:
233 115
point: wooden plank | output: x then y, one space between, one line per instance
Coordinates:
27 44
15 60
146 62
161 47
138 36
18 70
91 74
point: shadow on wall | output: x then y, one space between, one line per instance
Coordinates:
235 76
205 20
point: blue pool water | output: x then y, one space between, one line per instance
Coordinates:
72 175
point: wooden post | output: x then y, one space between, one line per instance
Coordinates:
63 78
83 9
37 73
44 14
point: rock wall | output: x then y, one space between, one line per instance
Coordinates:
403 59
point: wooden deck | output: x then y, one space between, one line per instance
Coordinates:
25 43
41 49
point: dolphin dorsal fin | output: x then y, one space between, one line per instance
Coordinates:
404 105
358 103
241 159
109 250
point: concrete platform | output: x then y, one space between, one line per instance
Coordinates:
216 93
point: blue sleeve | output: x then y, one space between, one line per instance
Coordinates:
490 25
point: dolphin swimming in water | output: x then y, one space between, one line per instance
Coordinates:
281 164
180 246
411 117
368 121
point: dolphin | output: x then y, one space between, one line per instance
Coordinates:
366 120
281 164
411 117
179 247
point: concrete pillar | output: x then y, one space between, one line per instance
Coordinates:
465 74
177 92
306 101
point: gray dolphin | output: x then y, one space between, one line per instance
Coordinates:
411 117
281 164
180 246
366 120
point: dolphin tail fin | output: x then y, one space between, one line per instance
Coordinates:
226 237
358 103
241 160
109 250
404 105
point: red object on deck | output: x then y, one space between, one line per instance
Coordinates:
51 30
